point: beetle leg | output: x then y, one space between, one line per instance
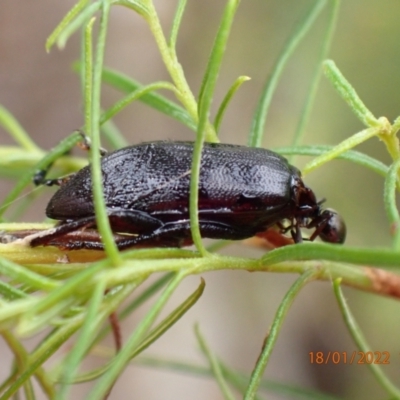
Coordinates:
295 231
318 229
77 240
69 237
293 228
168 235
44 238
319 224
132 221
284 229
40 178
179 234
68 234
86 143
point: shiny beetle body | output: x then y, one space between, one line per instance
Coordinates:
242 191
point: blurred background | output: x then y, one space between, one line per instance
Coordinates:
237 308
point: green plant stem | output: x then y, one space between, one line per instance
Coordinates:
291 259
92 119
194 193
184 94
205 99
168 54
388 135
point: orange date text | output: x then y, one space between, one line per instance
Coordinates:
345 357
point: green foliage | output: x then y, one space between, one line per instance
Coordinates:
79 295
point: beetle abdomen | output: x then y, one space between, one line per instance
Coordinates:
154 177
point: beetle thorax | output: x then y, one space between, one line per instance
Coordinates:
305 202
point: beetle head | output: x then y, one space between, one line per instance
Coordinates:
333 228
328 224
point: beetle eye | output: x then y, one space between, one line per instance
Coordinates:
334 230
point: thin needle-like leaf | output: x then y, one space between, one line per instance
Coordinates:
361 342
312 91
138 6
348 93
122 358
135 95
260 115
262 361
351 155
342 147
389 197
43 164
176 24
71 363
75 10
205 98
228 97
93 71
160 103
77 23
17 132
217 52
214 365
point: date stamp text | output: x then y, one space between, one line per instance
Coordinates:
345 357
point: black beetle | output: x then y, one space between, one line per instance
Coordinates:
242 191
